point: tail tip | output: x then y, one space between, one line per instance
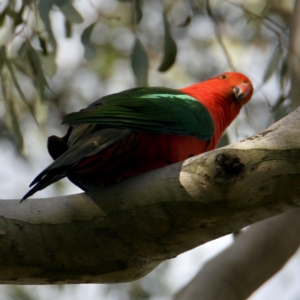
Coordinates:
27 195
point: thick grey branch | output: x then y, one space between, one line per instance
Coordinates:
122 232
255 256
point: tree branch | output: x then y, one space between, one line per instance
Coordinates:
120 233
254 257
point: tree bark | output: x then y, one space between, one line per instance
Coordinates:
122 232
254 257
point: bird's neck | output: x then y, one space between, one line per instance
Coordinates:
222 109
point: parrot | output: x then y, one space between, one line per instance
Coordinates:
141 129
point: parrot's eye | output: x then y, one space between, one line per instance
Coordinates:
224 76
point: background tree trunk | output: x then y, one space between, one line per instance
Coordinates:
255 256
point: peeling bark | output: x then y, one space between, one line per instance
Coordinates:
122 232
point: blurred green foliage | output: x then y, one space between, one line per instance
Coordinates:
148 33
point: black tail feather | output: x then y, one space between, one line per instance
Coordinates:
64 164
45 179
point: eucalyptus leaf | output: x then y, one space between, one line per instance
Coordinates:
68 28
19 17
43 45
89 50
48 64
139 63
7 62
281 98
12 4
11 117
16 16
41 108
170 48
273 64
22 66
44 7
284 72
2 16
15 124
36 65
138 10
71 14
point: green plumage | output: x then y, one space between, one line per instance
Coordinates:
152 109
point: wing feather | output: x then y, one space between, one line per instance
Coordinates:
153 109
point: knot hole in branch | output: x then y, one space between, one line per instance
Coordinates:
229 168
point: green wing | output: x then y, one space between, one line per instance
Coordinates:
152 109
